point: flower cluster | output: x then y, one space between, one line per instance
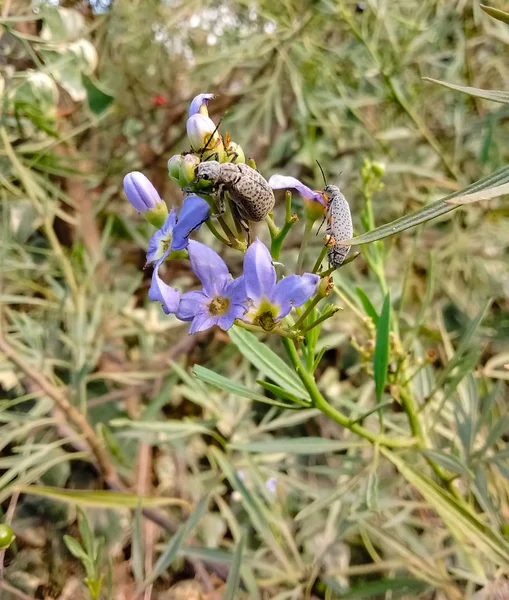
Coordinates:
256 298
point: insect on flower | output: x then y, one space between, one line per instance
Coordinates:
252 196
339 223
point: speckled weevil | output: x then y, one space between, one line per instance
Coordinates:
252 196
339 223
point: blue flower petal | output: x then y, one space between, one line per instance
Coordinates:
194 212
209 267
202 321
236 291
162 292
294 290
278 182
156 247
197 101
234 312
259 272
191 304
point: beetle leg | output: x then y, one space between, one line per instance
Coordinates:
240 219
233 155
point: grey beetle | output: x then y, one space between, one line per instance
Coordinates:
252 197
339 223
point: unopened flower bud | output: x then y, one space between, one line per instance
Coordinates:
174 165
199 104
140 192
366 170
325 286
235 151
188 169
144 198
201 131
378 168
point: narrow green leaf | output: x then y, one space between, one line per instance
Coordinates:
398 587
233 581
494 192
137 547
174 428
494 95
75 548
381 354
369 309
306 445
461 522
284 394
372 490
430 211
234 387
86 533
268 362
376 408
99 498
258 513
98 101
451 463
496 13
172 548
464 345
499 428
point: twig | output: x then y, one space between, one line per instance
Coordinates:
14 591
9 515
71 413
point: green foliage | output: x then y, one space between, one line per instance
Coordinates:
286 503
90 554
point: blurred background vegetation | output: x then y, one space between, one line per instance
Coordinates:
93 90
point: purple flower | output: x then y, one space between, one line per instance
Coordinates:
220 301
140 192
278 182
269 301
198 102
175 232
161 292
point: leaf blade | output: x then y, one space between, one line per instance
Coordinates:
233 580
428 212
493 95
381 354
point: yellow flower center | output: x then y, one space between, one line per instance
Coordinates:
265 321
219 305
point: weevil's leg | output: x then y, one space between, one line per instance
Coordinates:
214 156
233 155
238 218
222 202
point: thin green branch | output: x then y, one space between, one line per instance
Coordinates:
319 402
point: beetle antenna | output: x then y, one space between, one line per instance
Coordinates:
323 174
210 138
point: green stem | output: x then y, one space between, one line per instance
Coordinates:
321 319
308 309
216 233
278 235
319 402
304 245
320 260
285 334
411 409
